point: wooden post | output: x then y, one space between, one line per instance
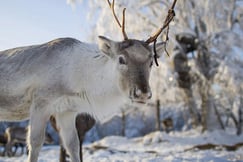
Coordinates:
158 125
123 123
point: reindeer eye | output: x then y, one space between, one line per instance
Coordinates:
122 60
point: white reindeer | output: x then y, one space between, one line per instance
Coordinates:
66 77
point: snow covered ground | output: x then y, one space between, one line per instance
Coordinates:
185 146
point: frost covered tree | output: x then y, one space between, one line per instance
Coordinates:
209 21
216 61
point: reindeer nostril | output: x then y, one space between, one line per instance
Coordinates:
149 94
138 92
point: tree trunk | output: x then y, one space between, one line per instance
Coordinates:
218 116
240 123
192 107
209 120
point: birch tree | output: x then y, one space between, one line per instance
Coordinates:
217 27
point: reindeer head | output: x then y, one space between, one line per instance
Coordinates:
134 59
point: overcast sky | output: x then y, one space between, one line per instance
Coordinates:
27 22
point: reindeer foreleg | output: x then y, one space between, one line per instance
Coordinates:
36 131
68 133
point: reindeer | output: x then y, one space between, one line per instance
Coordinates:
65 77
16 136
84 122
3 142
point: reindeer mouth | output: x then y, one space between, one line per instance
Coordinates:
137 101
135 98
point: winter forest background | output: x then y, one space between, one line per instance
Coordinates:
199 86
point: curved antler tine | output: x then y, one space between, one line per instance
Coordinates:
122 26
169 18
155 53
155 36
112 7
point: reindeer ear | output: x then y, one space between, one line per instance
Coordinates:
105 45
160 48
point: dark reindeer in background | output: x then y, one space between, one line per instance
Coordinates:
16 137
3 142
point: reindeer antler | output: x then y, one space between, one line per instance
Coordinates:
122 26
169 18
